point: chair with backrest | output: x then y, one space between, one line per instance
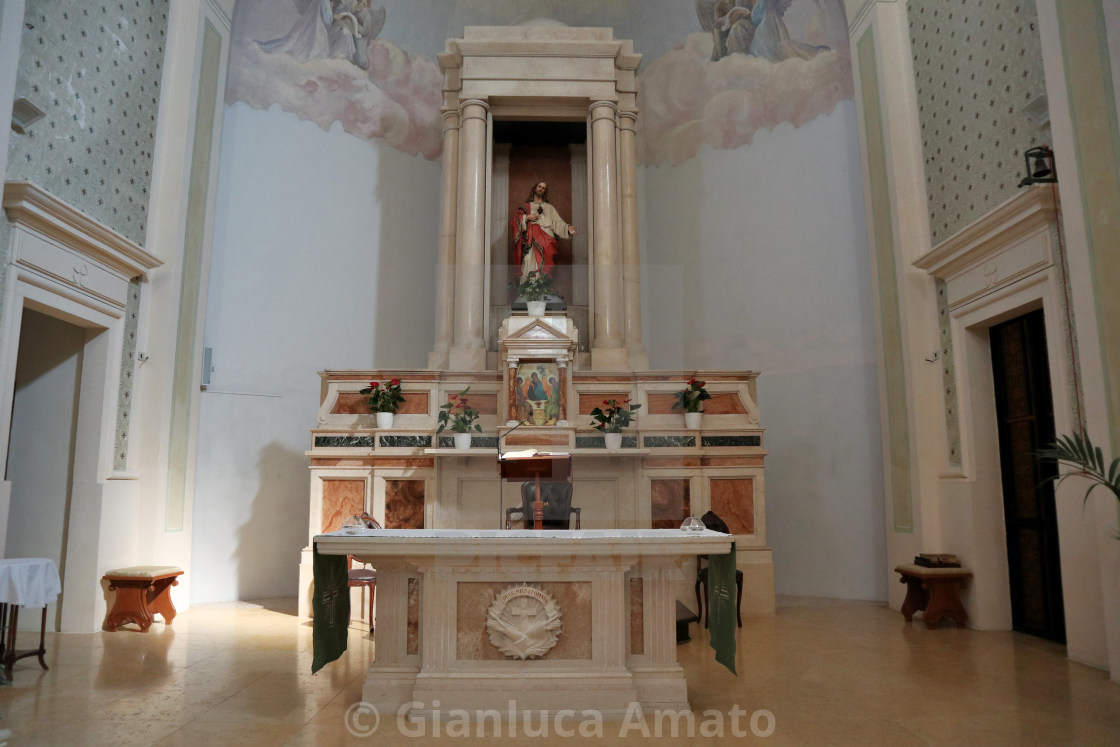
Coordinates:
362 576
558 510
713 522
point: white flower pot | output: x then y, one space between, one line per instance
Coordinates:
384 420
536 308
614 440
692 420
462 440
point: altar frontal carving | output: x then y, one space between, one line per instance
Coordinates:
524 622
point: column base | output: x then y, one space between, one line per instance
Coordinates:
610 359
467 359
438 360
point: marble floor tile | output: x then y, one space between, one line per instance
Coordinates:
818 672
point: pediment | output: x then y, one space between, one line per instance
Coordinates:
538 331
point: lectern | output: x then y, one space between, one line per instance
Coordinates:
536 467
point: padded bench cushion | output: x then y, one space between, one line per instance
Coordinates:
144 571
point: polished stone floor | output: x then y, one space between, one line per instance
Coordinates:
817 673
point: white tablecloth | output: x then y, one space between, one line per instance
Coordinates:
29 582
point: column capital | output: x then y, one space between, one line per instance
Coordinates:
627 120
450 119
603 110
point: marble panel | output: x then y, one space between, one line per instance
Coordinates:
733 500
473 600
412 624
352 403
477 442
405 442
732 461
597 442
724 403
341 500
404 504
588 401
671 462
731 440
637 617
323 442
668 442
538 439
670 502
661 403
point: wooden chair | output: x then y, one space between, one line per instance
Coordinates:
713 522
362 576
558 510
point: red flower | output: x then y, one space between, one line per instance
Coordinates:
702 383
606 402
374 385
453 397
395 382
692 381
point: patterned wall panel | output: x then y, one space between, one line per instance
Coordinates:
95 69
404 504
733 500
128 368
670 502
977 64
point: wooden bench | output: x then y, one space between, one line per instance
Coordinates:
141 591
934 590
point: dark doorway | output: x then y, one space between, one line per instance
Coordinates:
1025 411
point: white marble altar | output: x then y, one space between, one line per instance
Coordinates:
614 593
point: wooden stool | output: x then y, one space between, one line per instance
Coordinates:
141 590
934 590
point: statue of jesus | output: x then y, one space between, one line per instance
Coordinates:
536 226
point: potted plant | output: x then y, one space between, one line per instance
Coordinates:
535 288
1078 451
689 401
458 414
612 418
384 399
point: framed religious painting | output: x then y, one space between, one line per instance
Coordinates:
537 393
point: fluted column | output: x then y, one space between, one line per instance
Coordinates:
445 290
607 351
631 275
468 353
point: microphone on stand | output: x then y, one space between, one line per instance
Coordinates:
501 523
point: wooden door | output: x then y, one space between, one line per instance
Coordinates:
1024 409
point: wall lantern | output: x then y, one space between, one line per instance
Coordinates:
1040 166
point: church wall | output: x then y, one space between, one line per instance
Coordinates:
324 256
757 259
325 248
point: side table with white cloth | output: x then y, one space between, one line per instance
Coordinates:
24 582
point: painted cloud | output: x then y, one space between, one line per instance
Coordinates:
397 99
688 100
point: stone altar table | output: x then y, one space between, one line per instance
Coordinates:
457 609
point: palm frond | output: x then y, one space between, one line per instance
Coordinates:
1077 450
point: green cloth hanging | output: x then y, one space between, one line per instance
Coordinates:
721 607
330 604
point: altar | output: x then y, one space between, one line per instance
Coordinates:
473 619
535 377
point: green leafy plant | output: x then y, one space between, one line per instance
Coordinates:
689 399
384 397
615 417
1078 451
458 414
536 286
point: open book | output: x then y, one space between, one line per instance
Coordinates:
519 454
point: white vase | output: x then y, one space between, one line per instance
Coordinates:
692 420
536 308
613 440
462 440
384 420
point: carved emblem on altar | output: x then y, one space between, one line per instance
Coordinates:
524 622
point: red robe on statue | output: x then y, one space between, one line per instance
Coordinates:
533 240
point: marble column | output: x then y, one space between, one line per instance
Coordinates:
445 290
468 352
631 275
607 347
